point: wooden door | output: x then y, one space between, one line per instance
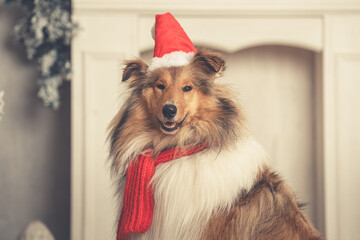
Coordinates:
278 87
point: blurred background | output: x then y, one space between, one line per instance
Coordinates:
294 64
34 142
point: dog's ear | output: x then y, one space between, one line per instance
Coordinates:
210 63
134 69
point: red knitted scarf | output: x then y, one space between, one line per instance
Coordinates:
138 204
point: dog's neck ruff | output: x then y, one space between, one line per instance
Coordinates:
138 203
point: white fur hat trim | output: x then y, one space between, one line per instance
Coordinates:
173 59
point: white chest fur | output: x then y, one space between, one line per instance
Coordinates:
188 190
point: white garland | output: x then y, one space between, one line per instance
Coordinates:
46 31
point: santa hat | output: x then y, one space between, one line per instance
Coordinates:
173 48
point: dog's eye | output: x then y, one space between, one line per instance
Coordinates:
187 89
160 86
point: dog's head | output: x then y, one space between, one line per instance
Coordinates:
174 106
177 97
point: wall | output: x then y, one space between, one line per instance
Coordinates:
34 145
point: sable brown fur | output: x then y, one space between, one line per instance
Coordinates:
269 211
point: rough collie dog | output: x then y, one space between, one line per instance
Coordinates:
225 189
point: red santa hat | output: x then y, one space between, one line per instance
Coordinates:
173 48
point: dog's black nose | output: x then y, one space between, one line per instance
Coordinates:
169 111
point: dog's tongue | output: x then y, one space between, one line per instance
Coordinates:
170 124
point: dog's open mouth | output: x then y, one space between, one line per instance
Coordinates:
171 126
